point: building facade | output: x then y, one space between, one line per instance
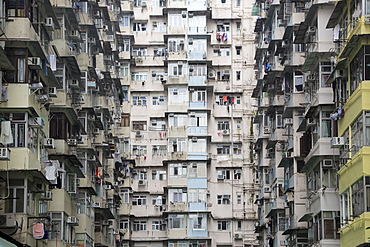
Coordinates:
133 126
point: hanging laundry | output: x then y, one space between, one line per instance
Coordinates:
232 100
38 230
224 98
218 36
6 136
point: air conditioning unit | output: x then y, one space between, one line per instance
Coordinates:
46 196
192 114
267 130
91 157
34 63
283 243
91 117
36 122
141 182
105 222
288 120
105 28
107 187
116 183
52 92
190 40
4 154
49 143
73 83
7 220
154 122
72 142
97 205
237 236
226 132
311 122
194 139
220 176
190 14
138 133
267 190
144 4
327 163
337 142
211 75
92 40
226 72
183 14
74 33
72 220
96 131
49 22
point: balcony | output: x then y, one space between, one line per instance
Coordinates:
65 48
20 28
198 105
177 55
199 5
177 233
321 148
356 233
197 55
197 130
20 96
177 206
177 80
21 159
197 80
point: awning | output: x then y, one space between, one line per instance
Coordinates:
306 218
72 160
301 34
259 25
336 14
4 60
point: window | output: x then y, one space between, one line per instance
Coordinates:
223 149
138 200
238 50
223 27
139 125
177 221
177 195
158 225
139 51
125 195
139 27
176 19
139 150
239 225
178 170
221 52
159 175
157 200
159 150
124 69
223 199
237 174
139 100
139 76
298 81
125 120
238 75
139 225
197 70
125 21
123 224
18 195
326 124
176 44
177 145
197 196
223 225
197 221
126 45
159 100
223 125
239 200
140 175
223 174
123 145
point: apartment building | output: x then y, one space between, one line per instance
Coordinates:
349 21
297 161
127 123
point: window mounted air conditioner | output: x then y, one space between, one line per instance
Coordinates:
190 40
337 142
194 139
91 117
49 143
92 40
72 142
36 122
49 22
107 187
96 131
34 63
105 222
73 83
52 92
72 220
141 182
138 133
221 176
327 163
288 120
183 14
311 122
97 205
226 132
144 4
211 75
74 33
